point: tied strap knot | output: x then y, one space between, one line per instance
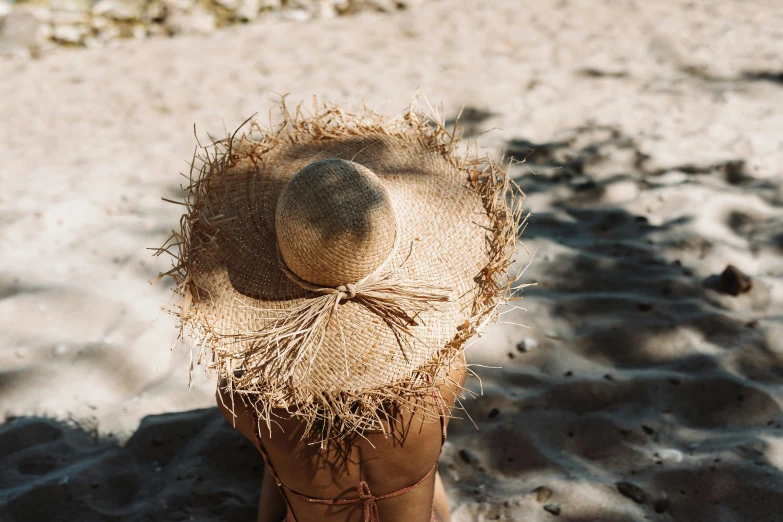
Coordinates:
346 291
293 338
371 513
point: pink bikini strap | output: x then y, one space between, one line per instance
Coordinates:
267 461
371 513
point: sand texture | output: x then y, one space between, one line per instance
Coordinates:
644 389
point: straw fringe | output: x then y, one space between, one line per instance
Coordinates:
330 416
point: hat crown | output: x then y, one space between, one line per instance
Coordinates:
335 223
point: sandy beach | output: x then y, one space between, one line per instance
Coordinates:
642 388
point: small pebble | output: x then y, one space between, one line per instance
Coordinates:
632 491
553 508
469 457
670 455
543 494
526 345
733 281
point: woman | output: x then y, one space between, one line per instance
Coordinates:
332 269
389 465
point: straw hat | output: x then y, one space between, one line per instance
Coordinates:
341 261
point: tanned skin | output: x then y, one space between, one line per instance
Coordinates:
387 464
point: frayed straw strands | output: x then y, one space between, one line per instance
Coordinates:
335 265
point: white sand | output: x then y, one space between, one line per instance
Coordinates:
639 200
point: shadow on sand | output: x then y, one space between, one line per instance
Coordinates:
178 466
652 374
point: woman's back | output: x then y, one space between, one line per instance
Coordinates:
385 466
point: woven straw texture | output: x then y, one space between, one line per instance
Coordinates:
335 223
402 201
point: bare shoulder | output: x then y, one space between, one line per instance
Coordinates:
450 386
236 412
